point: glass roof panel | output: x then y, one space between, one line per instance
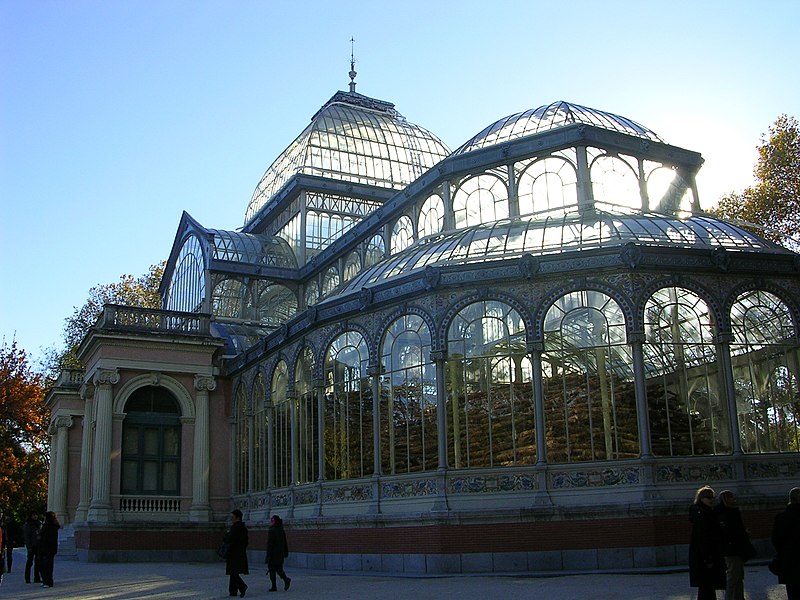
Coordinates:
253 249
565 233
552 116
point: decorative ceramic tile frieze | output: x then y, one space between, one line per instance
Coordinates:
594 478
770 469
350 493
307 497
409 489
695 472
480 484
284 499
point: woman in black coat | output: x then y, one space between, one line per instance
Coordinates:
277 551
706 562
48 547
786 539
236 557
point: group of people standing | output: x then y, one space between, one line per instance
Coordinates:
235 554
720 545
41 544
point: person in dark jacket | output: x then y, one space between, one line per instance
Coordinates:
277 551
706 562
10 536
736 546
236 558
786 539
30 533
48 547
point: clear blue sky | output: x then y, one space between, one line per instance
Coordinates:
115 116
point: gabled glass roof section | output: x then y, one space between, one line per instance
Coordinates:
566 233
357 139
254 249
552 116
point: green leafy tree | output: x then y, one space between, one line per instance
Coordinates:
771 207
140 292
24 448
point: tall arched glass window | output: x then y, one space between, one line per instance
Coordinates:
766 368
402 234
151 443
187 288
480 199
307 419
431 216
615 180
348 409
276 304
589 402
260 450
281 427
489 388
241 443
375 252
547 185
408 398
686 412
227 299
352 266
331 282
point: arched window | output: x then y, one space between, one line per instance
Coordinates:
260 449
765 373
352 266
151 443
241 443
667 191
282 427
312 293
375 252
489 388
547 185
589 402
402 234
348 409
276 304
226 300
408 398
431 216
480 199
687 415
307 419
615 181
187 288
331 282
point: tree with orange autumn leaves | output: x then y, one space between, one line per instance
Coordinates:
24 448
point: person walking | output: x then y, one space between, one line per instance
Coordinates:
48 547
30 533
236 558
10 535
786 540
277 551
706 562
736 546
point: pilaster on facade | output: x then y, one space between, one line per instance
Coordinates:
100 509
200 510
57 492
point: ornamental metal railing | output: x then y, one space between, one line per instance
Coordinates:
149 504
129 318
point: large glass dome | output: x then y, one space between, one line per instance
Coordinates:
353 138
552 116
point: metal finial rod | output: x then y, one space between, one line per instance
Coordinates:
352 66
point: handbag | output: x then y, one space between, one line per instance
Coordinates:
223 550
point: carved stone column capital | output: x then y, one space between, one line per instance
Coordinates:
106 377
204 383
63 421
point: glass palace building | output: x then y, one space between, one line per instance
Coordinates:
521 355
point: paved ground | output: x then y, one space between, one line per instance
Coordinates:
162 581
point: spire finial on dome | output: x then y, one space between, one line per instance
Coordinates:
352 68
